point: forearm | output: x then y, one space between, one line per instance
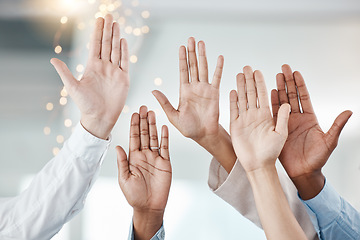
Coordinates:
309 185
275 214
335 217
97 127
57 192
221 148
146 223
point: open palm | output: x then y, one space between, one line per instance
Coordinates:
197 115
101 92
307 148
256 139
145 177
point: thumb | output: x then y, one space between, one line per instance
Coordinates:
169 110
66 76
332 136
282 120
123 164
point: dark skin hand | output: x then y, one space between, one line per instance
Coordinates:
145 174
307 148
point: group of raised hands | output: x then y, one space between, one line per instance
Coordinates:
258 135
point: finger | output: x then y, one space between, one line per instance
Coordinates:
203 65
218 72
66 76
144 129
261 90
124 62
123 164
193 65
250 87
291 88
234 109
96 39
164 145
106 38
170 111
183 66
303 93
282 120
154 143
115 50
281 87
332 136
275 103
240 82
134 144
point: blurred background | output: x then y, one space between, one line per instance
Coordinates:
319 38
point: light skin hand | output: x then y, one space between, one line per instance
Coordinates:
197 115
307 148
145 175
101 93
257 140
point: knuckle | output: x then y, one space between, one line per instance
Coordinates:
251 91
144 132
134 135
292 95
304 97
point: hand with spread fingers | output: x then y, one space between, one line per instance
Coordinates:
307 148
197 115
102 91
145 175
258 141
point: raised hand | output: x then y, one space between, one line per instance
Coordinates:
145 176
102 91
256 139
197 115
198 111
307 148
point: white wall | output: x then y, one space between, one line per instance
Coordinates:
325 49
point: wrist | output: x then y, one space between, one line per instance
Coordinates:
210 141
309 185
98 127
263 179
219 145
147 223
261 171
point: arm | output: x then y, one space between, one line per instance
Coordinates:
197 116
259 142
336 218
145 175
58 192
235 189
307 148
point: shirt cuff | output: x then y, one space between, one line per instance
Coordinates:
159 235
219 180
85 145
326 205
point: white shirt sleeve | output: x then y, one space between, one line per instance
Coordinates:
58 191
235 189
